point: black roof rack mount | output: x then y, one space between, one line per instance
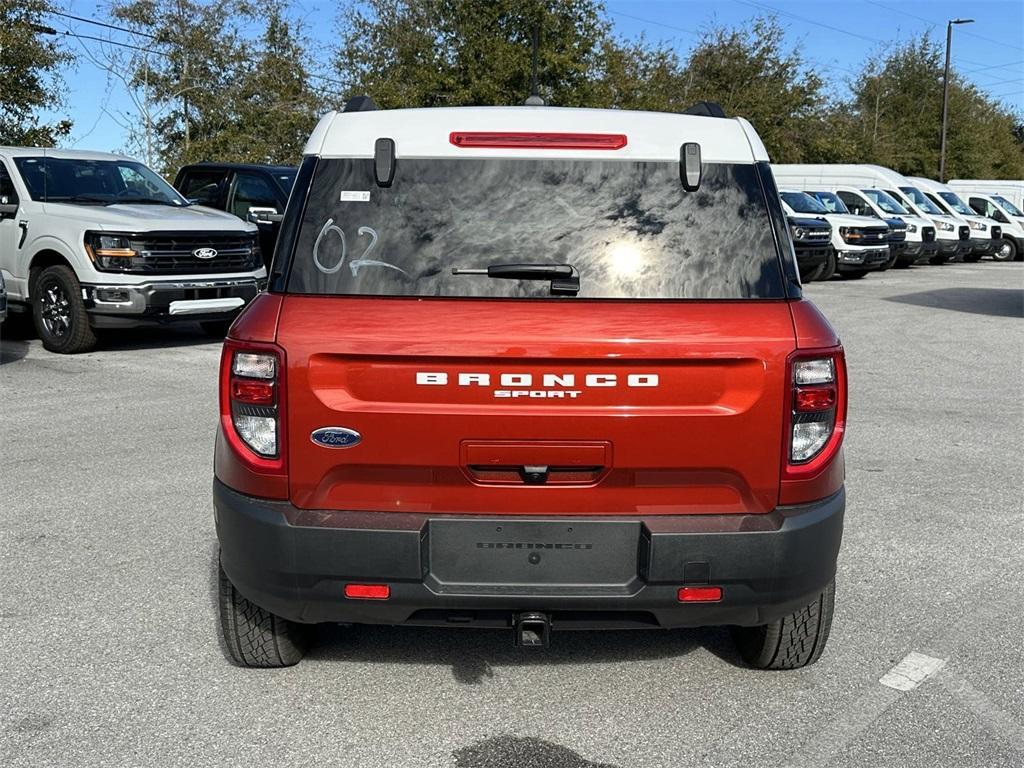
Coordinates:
706 109
359 104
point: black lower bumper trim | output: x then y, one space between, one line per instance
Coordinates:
453 570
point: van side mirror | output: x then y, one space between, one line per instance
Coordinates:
258 215
690 167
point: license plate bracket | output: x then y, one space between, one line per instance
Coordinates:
494 556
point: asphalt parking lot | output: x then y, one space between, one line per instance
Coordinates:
109 651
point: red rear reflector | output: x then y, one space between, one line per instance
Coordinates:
817 399
368 591
700 594
513 140
254 392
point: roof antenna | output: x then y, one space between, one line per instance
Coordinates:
534 99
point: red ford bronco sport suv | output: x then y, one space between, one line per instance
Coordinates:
534 369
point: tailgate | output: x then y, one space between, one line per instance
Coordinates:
536 407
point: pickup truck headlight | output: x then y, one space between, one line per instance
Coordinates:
112 253
945 226
799 233
851 235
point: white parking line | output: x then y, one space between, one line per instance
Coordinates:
996 721
913 670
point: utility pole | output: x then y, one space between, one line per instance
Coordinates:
945 97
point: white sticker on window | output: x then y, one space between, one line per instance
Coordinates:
355 196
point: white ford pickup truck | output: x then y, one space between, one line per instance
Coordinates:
91 240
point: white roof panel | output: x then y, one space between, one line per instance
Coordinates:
425 133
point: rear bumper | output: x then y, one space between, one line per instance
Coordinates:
296 563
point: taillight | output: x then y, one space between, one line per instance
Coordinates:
816 411
534 140
252 403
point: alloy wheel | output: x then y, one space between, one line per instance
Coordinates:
54 309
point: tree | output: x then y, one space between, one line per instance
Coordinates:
426 53
750 72
897 109
199 56
273 107
30 68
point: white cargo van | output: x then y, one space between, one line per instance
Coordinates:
92 240
1009 189
986 234
1010 218
952 236
858 189
860 243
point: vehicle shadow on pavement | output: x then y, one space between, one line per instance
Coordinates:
998 302
11 351
153 338
515 751
474 654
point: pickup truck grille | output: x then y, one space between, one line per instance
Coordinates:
175 254
897 235
927 234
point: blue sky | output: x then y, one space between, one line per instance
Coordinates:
835 36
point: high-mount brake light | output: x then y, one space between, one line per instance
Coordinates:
534 140
816 410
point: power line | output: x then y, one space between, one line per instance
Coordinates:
935 24
695 33
69 33
692 32
101 24
806 20
994 66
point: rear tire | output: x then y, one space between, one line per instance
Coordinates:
256 637
937 260
856 274
1008 251
59 312
971 258
793 641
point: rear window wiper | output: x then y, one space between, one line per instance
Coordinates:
565 280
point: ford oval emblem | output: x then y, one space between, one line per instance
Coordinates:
335 437
204 253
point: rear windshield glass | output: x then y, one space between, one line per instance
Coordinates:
627 227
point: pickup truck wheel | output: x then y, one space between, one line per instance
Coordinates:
59 312
972 258
1007 251
793 641
255 637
